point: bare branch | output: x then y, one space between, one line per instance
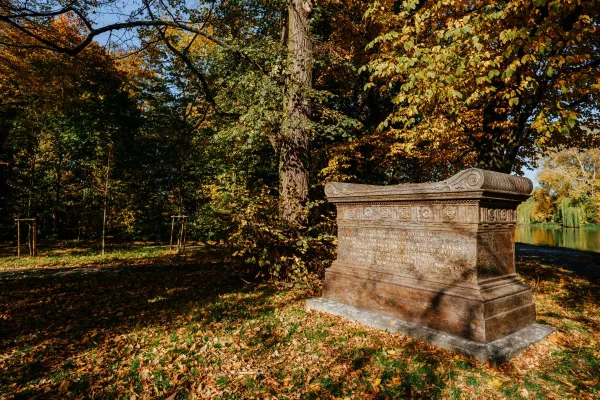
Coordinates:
198 74
93 32
192 67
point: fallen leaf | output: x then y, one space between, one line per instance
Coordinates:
495 383
64 386
172 397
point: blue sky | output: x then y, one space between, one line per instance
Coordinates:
118 11
531 174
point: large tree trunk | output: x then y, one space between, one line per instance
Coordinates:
106 188
495 150
294 144
57 193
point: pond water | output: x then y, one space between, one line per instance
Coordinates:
579 239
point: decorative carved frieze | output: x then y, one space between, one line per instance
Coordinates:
435 213
497 215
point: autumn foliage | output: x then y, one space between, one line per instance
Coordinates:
489 83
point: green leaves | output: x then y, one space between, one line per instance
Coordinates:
457 94
492 73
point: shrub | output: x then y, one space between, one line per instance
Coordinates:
248 223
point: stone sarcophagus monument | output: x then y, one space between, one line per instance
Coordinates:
435 261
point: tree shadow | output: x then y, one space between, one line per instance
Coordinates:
53 315
568 276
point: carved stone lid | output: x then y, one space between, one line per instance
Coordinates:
468 182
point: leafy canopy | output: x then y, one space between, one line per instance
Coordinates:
496 81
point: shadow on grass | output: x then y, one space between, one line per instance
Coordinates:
55 314
574 272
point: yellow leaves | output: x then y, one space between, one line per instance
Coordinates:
592 382
64 386
144 375
287 380
495 383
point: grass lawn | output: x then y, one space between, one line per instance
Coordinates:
150 324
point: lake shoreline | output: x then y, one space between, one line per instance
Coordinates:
584 239
556 225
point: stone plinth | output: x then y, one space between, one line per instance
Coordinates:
440 255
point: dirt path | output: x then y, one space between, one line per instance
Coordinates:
584 263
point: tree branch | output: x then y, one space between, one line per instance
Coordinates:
93 32
198 75
186 60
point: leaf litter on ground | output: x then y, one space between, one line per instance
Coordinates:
178 327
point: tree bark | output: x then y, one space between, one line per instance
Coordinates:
57 193
294 143
496 151
106 188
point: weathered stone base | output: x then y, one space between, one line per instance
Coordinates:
482 311
495 352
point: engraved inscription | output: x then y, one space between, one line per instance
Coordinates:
447 254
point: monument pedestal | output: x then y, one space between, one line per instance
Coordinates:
440 256
495 352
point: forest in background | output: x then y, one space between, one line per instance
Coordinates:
208 118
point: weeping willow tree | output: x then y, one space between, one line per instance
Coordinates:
572 216
525 212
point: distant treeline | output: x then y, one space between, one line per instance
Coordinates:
569 192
